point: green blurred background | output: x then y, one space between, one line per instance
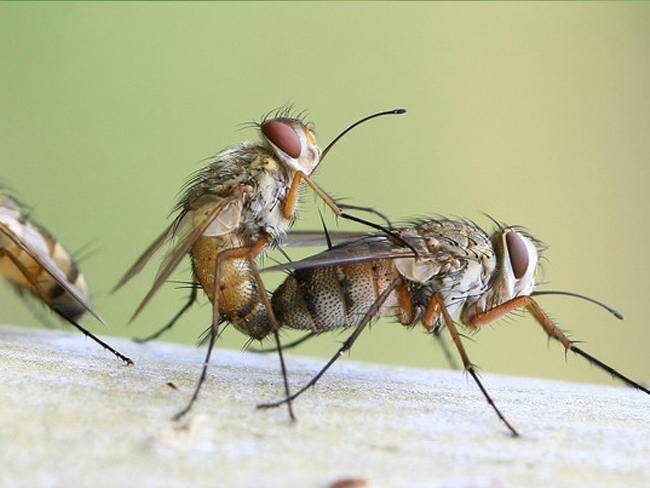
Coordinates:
537 114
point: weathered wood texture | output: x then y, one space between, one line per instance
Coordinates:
75 416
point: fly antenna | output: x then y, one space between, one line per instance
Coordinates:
397 111
615 313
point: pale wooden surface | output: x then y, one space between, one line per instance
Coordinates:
74 416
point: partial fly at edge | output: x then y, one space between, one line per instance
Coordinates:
35 263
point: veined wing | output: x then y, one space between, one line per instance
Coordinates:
211 217
419 267
146 256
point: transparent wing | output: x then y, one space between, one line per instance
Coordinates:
316 238
146 256
212 217
419 267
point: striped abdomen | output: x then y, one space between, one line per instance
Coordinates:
325 298
239 298
19 266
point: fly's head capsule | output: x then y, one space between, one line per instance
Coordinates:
293 142
518 258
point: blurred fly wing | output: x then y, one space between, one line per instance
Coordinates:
50 267
146 256
213 217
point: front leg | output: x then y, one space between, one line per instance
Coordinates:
290 202
551 329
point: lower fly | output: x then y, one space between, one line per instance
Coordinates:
458 269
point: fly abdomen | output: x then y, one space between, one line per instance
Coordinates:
239 299
61 301
26 273
310 299
326 298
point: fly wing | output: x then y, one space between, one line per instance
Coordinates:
50 267
369 247
212 216
316 238
146 256
419 267
181 225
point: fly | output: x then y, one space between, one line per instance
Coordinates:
34 262
231 213
459 269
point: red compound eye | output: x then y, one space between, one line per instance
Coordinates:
282 136
518 254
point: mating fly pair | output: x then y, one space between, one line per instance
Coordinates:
231 213
34 262
458 268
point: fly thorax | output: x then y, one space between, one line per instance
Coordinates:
272 182
465 289
422 268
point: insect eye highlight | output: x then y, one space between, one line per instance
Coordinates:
518 253
282 136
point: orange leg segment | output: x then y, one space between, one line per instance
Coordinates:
439 307
291 200
248 253
551 329
39 291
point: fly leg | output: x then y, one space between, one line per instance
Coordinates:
249 253
274 326
429 321
437 307
179 314
551 329
371 210
286 346
291 201
39 291
449 358
370 314
214 334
